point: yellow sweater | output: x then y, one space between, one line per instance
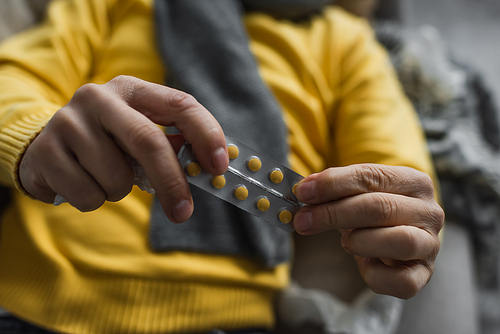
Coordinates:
94 272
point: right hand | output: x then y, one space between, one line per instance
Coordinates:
80 154
388 217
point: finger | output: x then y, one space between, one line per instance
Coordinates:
32 180
142 139
336 183
113 172
402 243
403 281
167 106
99 155
150 147
96 152
65 176
370 210
78 188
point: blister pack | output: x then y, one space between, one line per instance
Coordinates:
252 182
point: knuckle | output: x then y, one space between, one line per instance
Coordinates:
439 216
374 283
371 177
411 285
29 182
146 138
214 130
382 207
63 120
429 266
176 187
118 194
434 217
31 167
41 147
88 100
414 278
119 189
409 290
122 79
86 92
411 244
90 203
125 86
46 144
123 82
434 250
43 194
424 181
180 102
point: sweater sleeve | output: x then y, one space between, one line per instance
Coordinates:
39 71
373 120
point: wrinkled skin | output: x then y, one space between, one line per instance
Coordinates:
389 220
388 216
80 154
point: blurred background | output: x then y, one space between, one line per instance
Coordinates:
471 28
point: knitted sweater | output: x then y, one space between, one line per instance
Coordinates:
94 272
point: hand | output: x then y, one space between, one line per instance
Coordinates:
389 220
80 154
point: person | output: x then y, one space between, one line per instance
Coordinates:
84 90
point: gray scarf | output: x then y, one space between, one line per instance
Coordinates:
205 49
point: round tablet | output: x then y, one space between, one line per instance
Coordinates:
263 204
285 216
233 151
254 164
276 176
193 169
219 181
241 193
293 188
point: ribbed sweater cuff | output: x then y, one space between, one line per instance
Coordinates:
17 134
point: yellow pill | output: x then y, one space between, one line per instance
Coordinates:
219 181
293 188
276 176
193 169
241 193
254 164
263 204
233 151
285 216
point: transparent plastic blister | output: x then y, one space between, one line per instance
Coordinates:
255 183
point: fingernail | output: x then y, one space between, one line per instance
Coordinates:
306 191
182 211
303 222
344 241
220 160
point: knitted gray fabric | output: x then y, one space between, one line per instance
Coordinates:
205 49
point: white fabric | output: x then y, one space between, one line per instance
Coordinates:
368 314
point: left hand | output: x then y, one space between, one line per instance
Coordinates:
389 220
